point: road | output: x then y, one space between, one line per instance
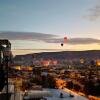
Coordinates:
56 94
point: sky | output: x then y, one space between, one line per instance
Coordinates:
41 25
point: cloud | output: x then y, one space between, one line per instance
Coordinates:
48 38
83 41
25 36
94 12
75 41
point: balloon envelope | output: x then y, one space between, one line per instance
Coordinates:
65 39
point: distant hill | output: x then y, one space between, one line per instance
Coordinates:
70 55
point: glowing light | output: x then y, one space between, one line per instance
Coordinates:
55 62
18 68
81 61
98 62
46 62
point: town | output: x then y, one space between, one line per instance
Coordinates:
74 76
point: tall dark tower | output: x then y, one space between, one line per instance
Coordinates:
2 74
5 55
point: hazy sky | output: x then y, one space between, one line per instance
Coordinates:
42 24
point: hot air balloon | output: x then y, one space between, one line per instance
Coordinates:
64 41
62 44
